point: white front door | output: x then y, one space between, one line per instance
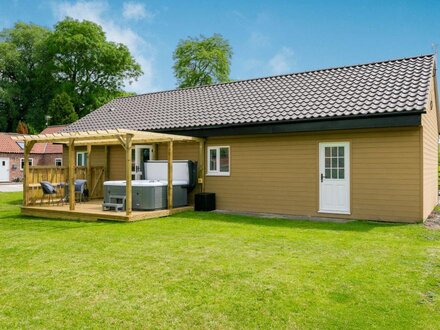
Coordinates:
4 169
140 154
334 177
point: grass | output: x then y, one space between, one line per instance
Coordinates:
203 270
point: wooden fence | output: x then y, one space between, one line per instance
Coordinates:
58 176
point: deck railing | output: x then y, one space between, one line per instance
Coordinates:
58 176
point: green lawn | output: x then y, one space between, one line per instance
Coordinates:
202 270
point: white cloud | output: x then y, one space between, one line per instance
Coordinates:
252 64
97 11
258 40
283 61
83 10
136 11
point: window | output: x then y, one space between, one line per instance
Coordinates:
334 163
81 158
31 162
58 162
20 144
218 161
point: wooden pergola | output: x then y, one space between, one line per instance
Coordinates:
125 138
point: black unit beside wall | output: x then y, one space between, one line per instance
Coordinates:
204 201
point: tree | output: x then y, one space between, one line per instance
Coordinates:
25 83
202 61
90 69
61 110
36 64
22 128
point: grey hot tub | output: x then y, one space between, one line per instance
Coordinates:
148 194
151 193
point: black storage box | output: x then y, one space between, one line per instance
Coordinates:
204 202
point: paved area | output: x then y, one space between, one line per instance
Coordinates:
10 187
284 216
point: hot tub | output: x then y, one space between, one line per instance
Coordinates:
148 194
151 193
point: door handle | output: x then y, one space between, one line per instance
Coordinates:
322 177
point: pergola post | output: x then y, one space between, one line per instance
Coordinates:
201 174
27 149
106 176
71 174
128 191
170 176
89 167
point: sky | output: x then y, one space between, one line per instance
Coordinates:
267 37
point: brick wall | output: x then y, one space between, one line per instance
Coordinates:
38 159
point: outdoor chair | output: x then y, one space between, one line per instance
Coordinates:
81 189
48 190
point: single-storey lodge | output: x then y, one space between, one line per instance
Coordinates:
355 142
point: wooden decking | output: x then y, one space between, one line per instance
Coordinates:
92 211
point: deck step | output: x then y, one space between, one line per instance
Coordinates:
116 206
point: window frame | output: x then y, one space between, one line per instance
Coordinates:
61 162
83 153
217 172
31 163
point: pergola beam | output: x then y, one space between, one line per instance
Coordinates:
105 136
121 141
135 140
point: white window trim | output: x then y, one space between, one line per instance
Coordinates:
60 159
31 160
82 153
217 172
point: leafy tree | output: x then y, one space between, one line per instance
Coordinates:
202 61
90 69
22 128
25 83
61 110
36 64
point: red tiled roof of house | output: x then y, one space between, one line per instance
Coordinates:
49 148
7 145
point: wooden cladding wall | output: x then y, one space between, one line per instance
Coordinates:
182 151
116 161
430 141
279 174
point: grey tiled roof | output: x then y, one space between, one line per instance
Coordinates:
382 87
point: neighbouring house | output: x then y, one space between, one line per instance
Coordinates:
12 158
355 142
